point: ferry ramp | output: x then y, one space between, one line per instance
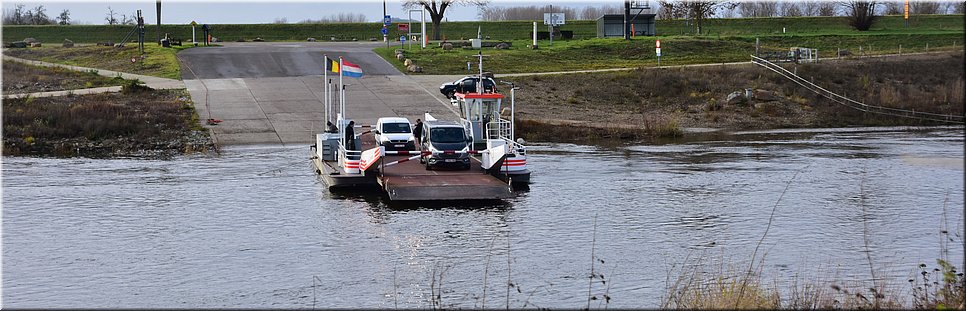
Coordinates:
272 93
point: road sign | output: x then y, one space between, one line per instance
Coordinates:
387 20
403 27
385 31
553 19
657 44
658 51
402 38
194 23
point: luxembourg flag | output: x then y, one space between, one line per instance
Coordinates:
351 70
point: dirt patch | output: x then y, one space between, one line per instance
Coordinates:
660 102
19 78
139 122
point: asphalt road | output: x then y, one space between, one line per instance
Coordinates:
272 93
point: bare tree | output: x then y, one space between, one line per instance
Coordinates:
438 10
861 14
15 16
111 18
790 9
956 7
39 16
593 13
729 12
758 9
334 18
810 8
698 10
923 7
64 18
129 20
893 8
667 10
827 9
525 13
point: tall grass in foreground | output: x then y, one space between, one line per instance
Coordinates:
937 289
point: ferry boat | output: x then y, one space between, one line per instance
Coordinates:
501 162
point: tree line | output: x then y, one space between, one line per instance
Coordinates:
682 9
19 15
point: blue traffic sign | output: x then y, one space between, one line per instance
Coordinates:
402 38
387 20
385 31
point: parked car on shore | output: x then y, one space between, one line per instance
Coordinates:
466 85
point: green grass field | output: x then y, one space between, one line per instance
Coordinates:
676 50
722 40
508 30
280 32
157 61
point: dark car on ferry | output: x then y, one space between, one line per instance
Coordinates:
467 85
446 145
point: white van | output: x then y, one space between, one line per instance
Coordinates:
395 133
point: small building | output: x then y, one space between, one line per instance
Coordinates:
612 25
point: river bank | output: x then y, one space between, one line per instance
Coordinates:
138 122
648 104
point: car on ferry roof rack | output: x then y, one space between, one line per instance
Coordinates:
467 85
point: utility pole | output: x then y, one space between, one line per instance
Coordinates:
627 19
384 37
551 25
140 30
159 22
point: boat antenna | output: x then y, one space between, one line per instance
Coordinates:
480 56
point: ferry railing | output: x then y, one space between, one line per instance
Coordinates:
502 130
349 159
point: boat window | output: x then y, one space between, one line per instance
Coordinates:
447 135
393 128
491 107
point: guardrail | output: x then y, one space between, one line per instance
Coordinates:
845 101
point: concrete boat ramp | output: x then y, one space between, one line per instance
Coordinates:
272 93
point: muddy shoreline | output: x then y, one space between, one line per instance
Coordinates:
658 104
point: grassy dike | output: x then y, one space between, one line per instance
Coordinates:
502 30
726 40
157 61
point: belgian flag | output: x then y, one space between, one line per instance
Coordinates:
332 65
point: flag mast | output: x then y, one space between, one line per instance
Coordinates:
325 86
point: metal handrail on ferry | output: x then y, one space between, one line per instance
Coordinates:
350 154
503 132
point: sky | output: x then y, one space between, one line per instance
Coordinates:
258 12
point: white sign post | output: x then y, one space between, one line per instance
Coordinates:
193 24
534 35
657 50
553 20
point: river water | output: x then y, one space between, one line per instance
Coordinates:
255 227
